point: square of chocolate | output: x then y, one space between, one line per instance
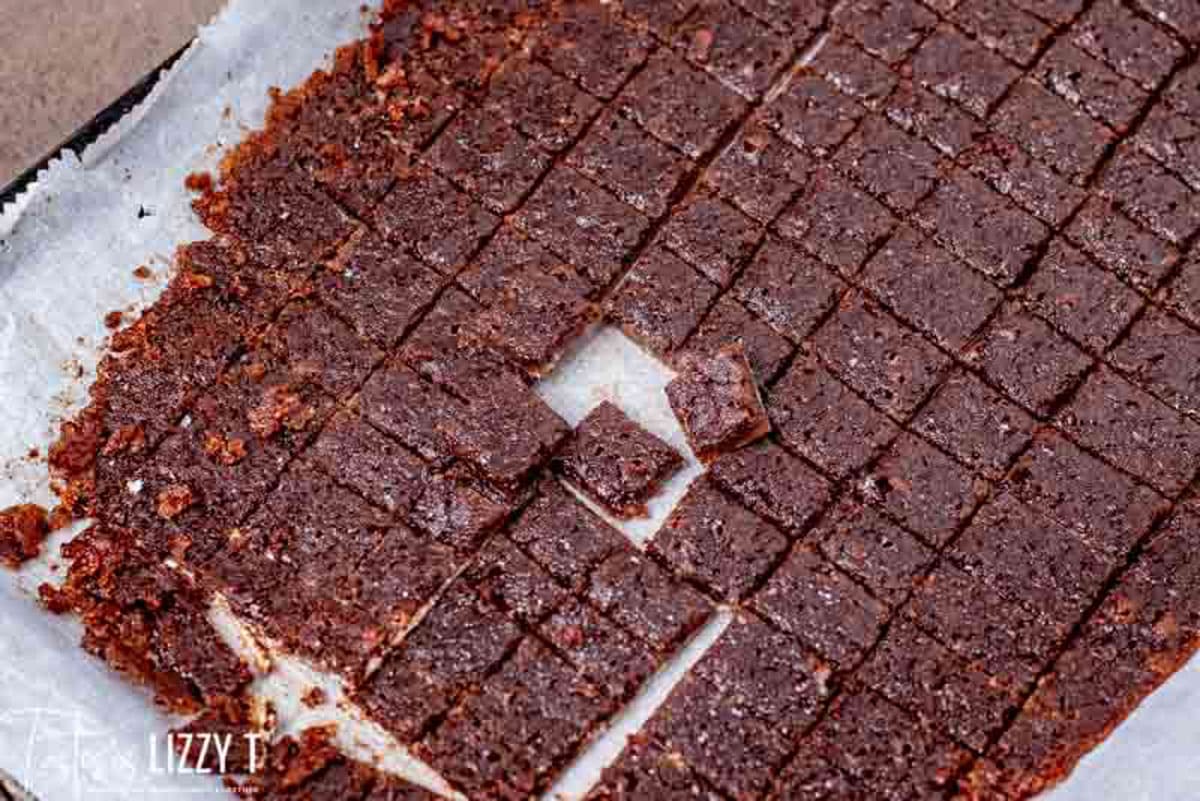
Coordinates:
437 350
976 424
457 510
1182 293
820 418
1170 137
1135 430
728 321
712 236
504 433
1090 85
660 301
930 289
836 222
744 53
1028 559
1056 12
507 257
311 339
738 714
1028 360
958 69
564 536
442 225
941 123
454 646
531 321
525 720
982 228
923 488
681 105
379 288
1079 298
1137 256
593 47
718 543
1129 44
717 402
646 600
867 545
891 164
489 158
1183 92
887 29
372 464
550 110
630 163
1104 507
768 480
399 402
884 750
759 172
1053 130
1004 27
511 581
846 66
644 768
798 18
812 114
1150 194
1029 183
1010 641
581 222
891 366
602 652
787 289
617 462
811 600
941 688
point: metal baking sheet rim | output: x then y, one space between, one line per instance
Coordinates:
1149 757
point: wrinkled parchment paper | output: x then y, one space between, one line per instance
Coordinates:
70 729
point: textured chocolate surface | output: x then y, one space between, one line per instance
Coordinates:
942 265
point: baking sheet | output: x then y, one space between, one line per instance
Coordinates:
71 729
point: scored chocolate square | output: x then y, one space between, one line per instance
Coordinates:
812 114
646 600
1160 354
592 46
660 301
1134 254
759 172
741 51
548 109
944 125
489 158
958 69
890 163
1004 27
888 29
1090 84
717 402
866 544
601 651
711 236
1031 184
616 461
717 543
788 289
774 484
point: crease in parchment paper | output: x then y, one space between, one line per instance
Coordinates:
72 729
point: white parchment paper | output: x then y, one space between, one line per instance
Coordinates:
69 728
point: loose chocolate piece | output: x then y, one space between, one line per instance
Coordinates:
717 543
617 462
23 528
717 402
